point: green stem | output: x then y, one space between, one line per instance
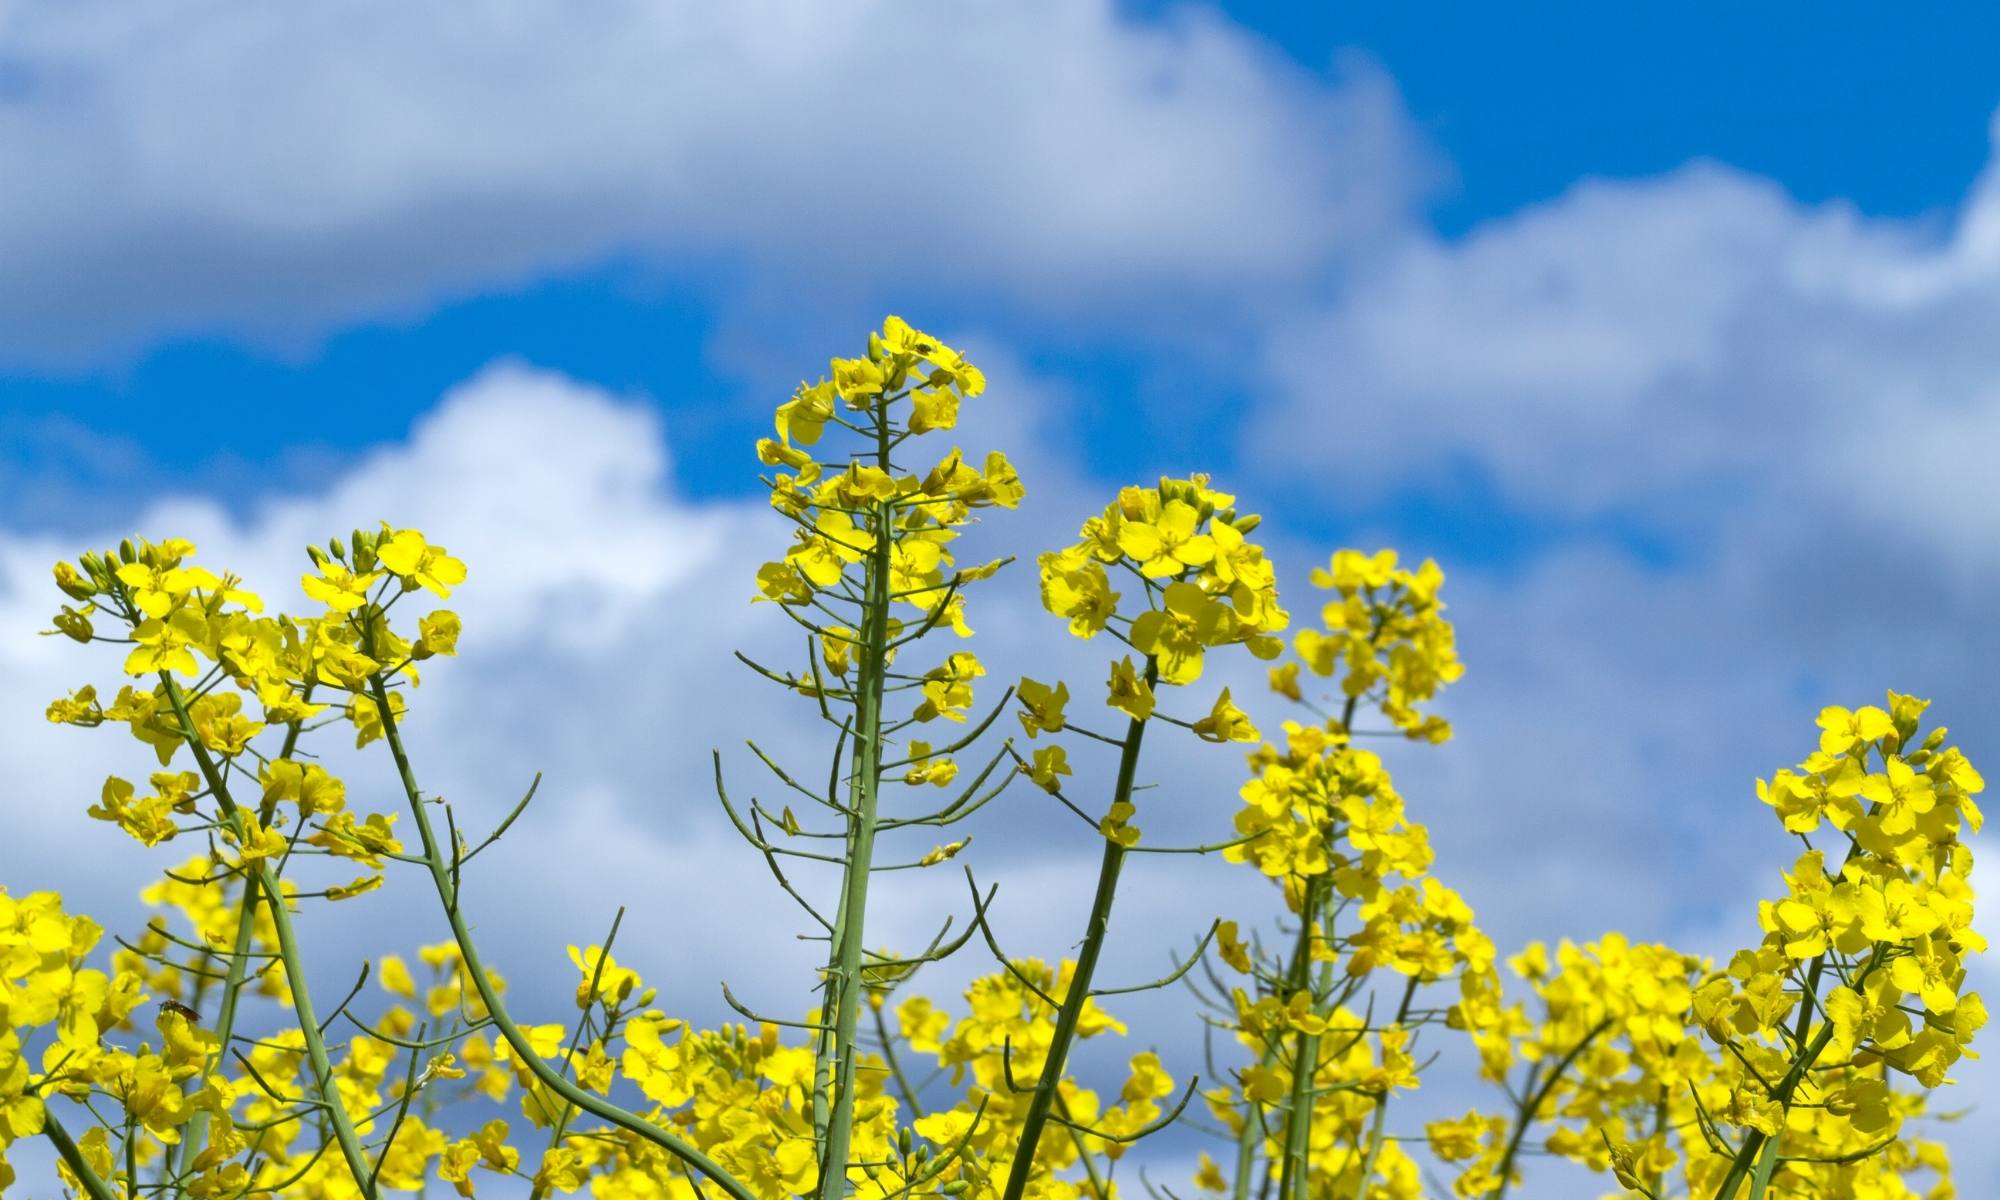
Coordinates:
78 1166
824 1049
1532 1103
1381 1117
288 951
561 1126
1086 967
1253 1132
1305 1050
1759 1153
850 933
489 997
1305 1054
195 1137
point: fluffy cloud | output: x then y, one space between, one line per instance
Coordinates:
1677 347
228 167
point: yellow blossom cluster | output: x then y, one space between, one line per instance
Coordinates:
1385 635
848 512
1205 584
1323 820
1799 1066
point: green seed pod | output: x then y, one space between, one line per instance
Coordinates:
74 624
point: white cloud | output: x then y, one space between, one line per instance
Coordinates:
1680 347
236 168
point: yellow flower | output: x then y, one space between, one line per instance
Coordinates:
944 853
1114 825
1042 706
947 689
1049 763
255 841
337 587
1285 681
1075 586
1129 693
802 418
437 633
1226 723
835 541
1178 634
1168 545
418 563
937 770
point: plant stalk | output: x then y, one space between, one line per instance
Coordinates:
1086 967
850 935
489 997
288 952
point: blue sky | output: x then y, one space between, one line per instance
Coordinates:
1516 106
1666 329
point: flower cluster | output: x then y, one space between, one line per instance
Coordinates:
849 512
1385 635
1323 820
1205 584
1801 1063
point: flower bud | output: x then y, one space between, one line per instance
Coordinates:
72 584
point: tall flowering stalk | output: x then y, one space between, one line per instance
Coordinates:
872 541
1195 583
1323 821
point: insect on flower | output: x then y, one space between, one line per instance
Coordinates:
180 1010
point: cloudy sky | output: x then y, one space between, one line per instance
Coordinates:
1669 334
